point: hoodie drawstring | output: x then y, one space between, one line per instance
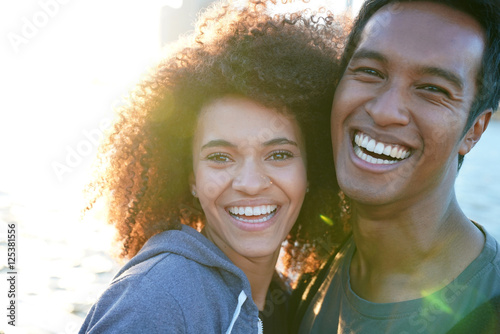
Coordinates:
241 299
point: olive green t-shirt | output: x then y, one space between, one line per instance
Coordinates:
337 309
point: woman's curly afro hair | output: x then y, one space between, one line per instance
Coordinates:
285 62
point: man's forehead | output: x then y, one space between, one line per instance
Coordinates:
425 14
424 30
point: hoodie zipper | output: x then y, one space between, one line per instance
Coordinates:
260 327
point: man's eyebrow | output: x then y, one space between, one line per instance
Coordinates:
445 74
279 141
369 54
217 143
431 70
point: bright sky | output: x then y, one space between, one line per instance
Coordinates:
63 69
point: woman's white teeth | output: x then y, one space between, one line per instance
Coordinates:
252 210
371 145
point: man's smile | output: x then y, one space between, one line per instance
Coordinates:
376 152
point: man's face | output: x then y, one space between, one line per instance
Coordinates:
401 107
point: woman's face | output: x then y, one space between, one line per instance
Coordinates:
249 169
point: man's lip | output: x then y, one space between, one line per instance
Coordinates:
381 163
371 166
367 147
386 138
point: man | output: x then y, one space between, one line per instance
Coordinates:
420 84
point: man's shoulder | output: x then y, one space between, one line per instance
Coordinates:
312 287
484 319
490 256
477 284
309 284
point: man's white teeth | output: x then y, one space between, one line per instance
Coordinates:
252 210
371 159
371 145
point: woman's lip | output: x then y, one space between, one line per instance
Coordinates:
254 219
250 211
254 226
253 202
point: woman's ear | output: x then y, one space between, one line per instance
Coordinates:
475 132
192 184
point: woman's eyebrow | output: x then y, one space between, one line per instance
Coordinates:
280 141
217 143
225 143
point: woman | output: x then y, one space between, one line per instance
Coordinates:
227 137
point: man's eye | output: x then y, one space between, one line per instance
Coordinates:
369 71
280 155
219 157
435 89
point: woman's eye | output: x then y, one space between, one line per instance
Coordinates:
280 155
219 157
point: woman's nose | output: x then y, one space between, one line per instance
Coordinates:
251 179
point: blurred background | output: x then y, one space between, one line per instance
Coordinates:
66 65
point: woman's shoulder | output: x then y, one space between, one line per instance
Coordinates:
172 257
163 267
167 282
135 301
152 296
179 262
170 272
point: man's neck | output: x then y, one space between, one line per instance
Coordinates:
407 254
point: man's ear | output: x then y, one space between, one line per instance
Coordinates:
475 132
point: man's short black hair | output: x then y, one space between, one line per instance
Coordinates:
486 13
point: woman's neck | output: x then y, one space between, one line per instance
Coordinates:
258 270
259 273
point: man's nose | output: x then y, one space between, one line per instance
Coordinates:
389 107
251 178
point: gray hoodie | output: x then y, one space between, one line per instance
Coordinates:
179 282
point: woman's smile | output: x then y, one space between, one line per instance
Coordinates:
255 214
